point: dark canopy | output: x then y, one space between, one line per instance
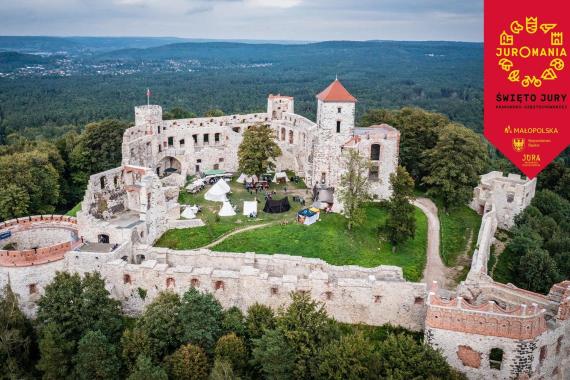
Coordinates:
275 206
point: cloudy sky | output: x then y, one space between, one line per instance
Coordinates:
312 20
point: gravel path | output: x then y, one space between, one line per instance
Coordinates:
435 270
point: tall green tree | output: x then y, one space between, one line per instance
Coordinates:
232 348
258 150
161 325
17 341
401 357
96 358
56 353
145 369
274 356
347 358
98 149
538 271
354 188
306 329
401 222
201 316
455 163
234 322
260 318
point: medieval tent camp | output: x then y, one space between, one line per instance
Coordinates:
218 192
188 213
280 177
241 178
308 216
276 206
227 210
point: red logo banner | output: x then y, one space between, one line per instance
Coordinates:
527 80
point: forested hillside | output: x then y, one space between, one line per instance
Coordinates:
439 76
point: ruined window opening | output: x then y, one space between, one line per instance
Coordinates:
102 181
159 148
419 301
170 282
373 173
170 141
103 239
33 288
290 137
235 129
148 199
194 283
338 126
126 279
219 285
217 137
164 143
543 353
558 345
124 258
274 291
328 295
323 177
510 197
496 358
195 138
216 166
282 134
375 152
206 138
182 143
221 159
377 299
199 161
159 129
339 110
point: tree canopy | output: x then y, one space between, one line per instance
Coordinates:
258 150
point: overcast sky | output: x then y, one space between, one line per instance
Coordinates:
313 20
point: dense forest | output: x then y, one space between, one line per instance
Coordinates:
236 78
192 337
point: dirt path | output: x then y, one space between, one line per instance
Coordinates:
235 232
435 270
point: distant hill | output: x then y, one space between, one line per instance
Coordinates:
12 60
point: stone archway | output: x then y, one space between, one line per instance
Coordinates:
169 165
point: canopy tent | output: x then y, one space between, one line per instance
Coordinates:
226 210
276 206
241 178
280 177
214 172
196 184
249 208
323 198
218 192
188 213
308 216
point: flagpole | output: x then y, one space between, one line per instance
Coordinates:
148 96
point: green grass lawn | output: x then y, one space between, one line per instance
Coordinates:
457 226
190 238
329 240
73 212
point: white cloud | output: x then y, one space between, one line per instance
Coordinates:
273 3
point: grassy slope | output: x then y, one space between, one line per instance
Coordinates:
457 226
74 210
330 241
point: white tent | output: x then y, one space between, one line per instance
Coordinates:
280 176
250 179
227 210
218 192
188 213
241 178
249 207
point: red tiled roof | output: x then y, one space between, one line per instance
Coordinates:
336 93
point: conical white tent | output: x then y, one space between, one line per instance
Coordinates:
227 210
218 192
188 213
241 178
